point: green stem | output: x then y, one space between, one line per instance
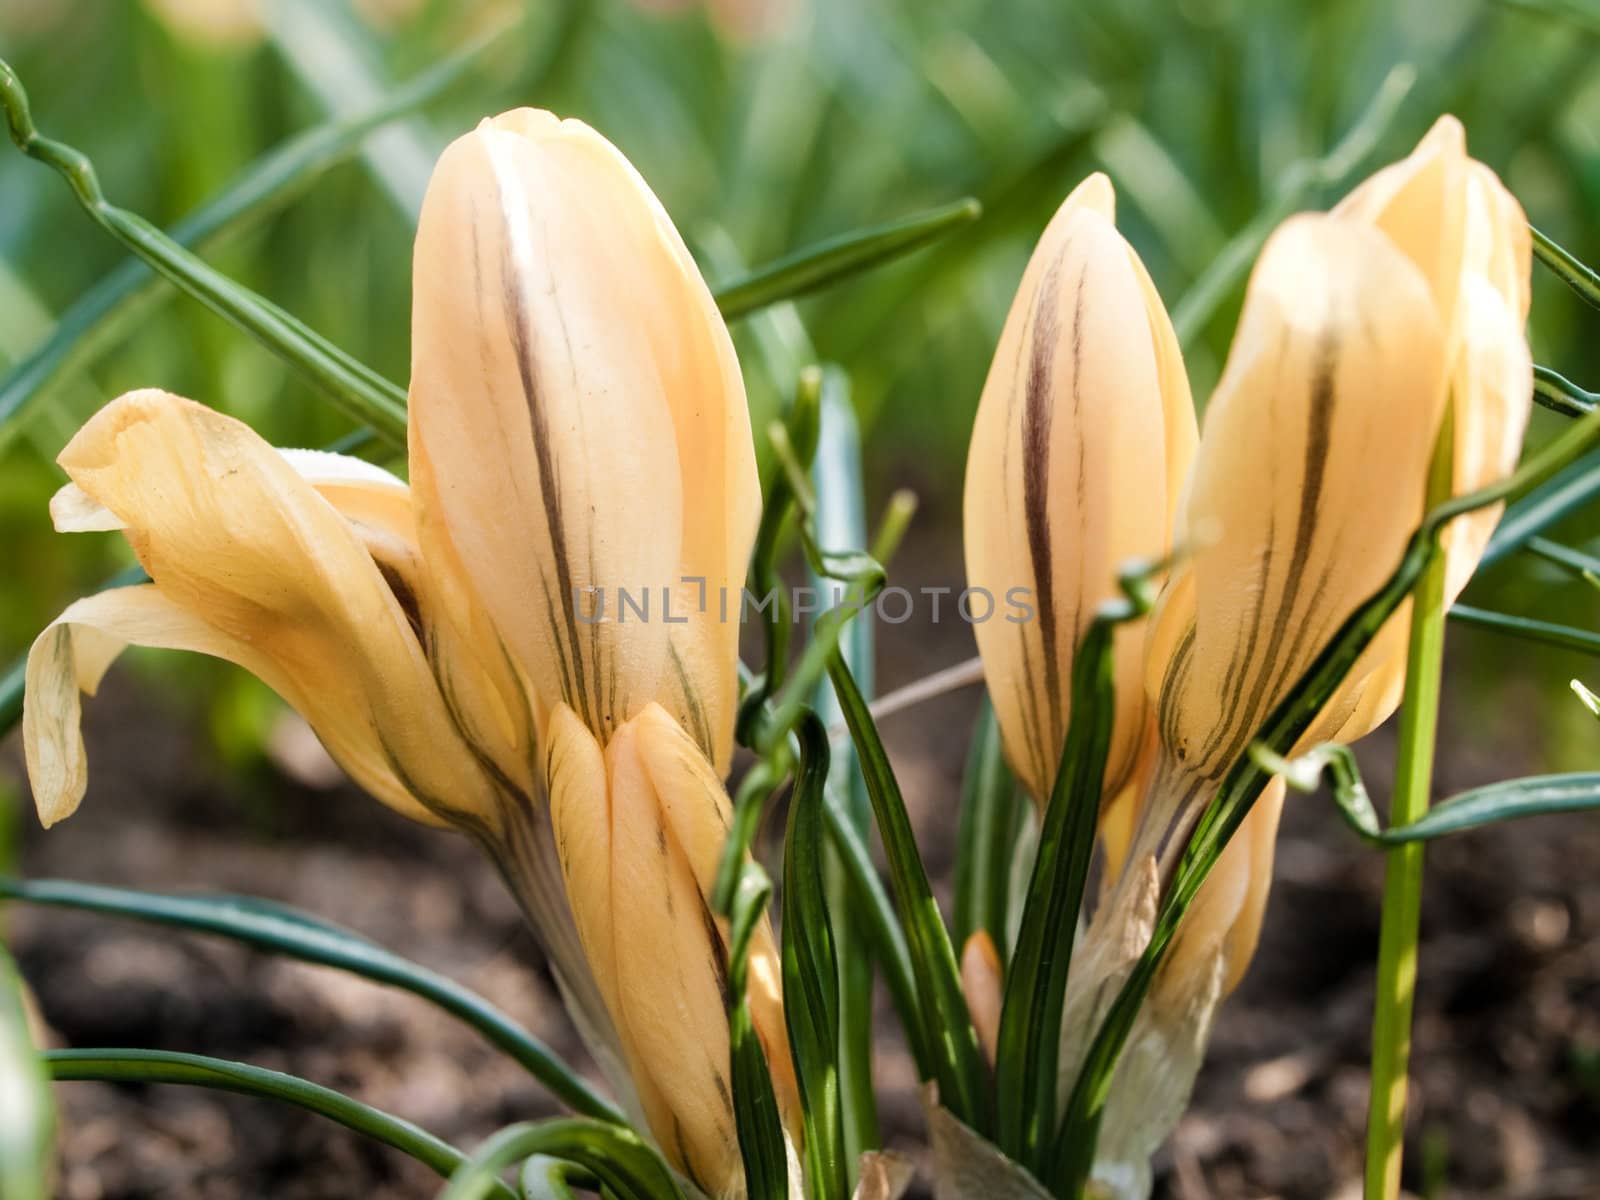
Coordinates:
1402 885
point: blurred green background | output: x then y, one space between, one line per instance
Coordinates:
763 125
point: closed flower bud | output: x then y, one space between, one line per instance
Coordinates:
578 409
1084 434
640 826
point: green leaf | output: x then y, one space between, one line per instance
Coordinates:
755 1105
958 1062
361 392
1562 495
838 258
1566 267
1559 394
617 1157
279 929
28 1116
986 842
1476 808
871 903
544 1178
1528 629
810 971
841 520
1029 1044
166 1066
102 312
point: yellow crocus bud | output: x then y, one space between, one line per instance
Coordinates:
639 828
578 410
1083 437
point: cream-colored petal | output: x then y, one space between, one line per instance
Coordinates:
698 817
1084 423
579 406
673 994
230 532
1420 204
1311 473
73 654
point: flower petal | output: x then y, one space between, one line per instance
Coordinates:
72 655
232 534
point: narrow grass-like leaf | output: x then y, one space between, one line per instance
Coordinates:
841 520
624 1164
959 1068
1029 1044
279 929
1585 566
1476 808
1560 395
1560 497
1566 267
882 928
1528 629
811 981
837 258
755 1104
986 840
166 1066
357 389
103 311
1242 784
543 1178
28 1115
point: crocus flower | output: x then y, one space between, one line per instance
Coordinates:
1360 329
578 427
1084 434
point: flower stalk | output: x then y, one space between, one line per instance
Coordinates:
1402 885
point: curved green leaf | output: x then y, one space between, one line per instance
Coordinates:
622 1161
1559 394
100 313
829 261
1567 268
351 384
280 929
1476 808
166 1066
